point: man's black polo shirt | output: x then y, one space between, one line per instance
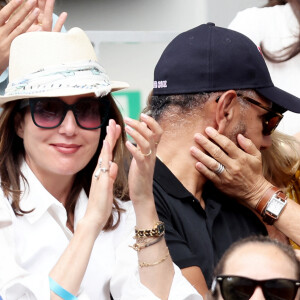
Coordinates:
198 237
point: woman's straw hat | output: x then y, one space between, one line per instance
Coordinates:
51 64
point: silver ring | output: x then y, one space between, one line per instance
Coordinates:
149 153
220 169
99 170
103 170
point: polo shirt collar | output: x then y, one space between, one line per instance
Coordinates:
169 182
172 186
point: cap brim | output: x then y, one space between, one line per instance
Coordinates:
281 98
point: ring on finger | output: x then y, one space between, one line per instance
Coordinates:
147 154
100 169
220 169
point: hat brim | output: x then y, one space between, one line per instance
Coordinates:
65 92
278 96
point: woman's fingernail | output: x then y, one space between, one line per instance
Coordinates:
31 2
36 11
144 116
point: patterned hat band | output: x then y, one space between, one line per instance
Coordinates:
88 75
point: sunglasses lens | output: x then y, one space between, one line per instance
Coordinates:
92 113
270 124
48 113
280 289
237 288
89 113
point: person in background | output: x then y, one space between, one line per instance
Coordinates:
237 275
216 77
275 28
66 222
20 16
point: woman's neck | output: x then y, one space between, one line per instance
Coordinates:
59 186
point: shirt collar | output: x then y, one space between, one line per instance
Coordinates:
169 182
39 200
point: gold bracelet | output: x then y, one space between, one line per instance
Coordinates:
156 231
145 264
139 246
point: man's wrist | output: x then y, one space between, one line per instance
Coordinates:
258 194
271 205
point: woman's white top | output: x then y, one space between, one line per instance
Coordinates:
277 27
30 246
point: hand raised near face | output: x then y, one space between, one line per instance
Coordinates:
146 134
15 19
45 18
235 171
101 193
18 17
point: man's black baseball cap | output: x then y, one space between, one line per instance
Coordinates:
210 58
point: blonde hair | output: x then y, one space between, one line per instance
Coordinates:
281 160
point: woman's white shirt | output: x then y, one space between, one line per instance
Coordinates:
32 244
277 27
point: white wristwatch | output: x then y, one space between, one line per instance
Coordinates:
274 207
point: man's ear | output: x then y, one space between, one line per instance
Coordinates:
19 125
225 109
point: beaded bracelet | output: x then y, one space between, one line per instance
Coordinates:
145 264
60 291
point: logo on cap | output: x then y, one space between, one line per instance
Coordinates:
160 84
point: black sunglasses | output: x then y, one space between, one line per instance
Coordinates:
242 288
48 113
270 120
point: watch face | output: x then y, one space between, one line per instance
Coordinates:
275 205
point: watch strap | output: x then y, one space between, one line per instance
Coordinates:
268 219
262 203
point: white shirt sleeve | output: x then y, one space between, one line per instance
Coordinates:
15 282
125 283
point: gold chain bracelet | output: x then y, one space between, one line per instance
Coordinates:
145 264
156 231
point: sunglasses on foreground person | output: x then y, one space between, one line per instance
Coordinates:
257 268
69 210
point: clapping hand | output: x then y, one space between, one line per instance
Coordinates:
146 134
18 17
